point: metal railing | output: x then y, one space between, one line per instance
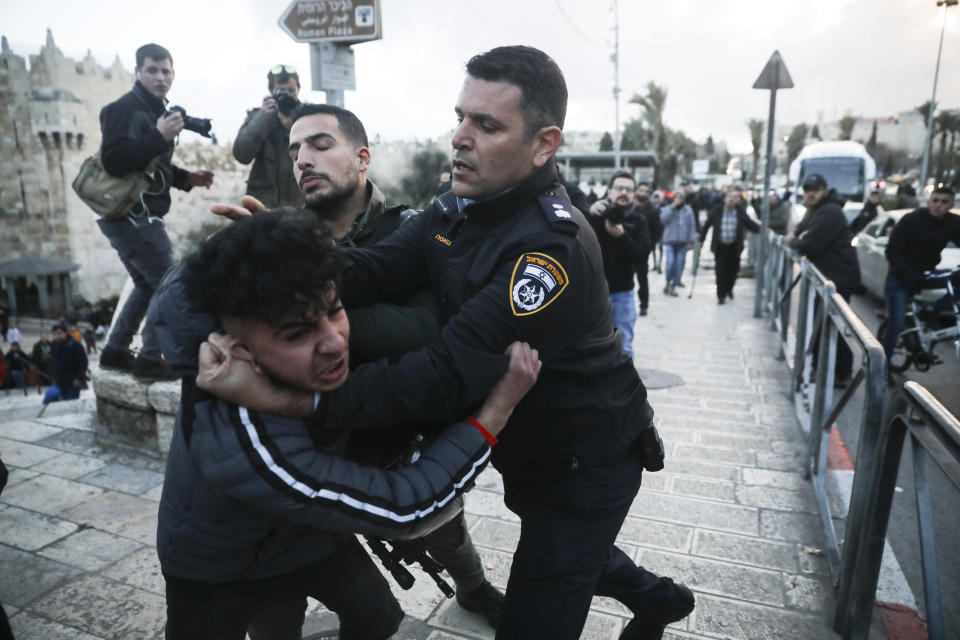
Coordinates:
822 313
934 433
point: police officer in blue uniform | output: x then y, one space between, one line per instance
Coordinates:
509 258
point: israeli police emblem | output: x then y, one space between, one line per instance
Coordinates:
537 280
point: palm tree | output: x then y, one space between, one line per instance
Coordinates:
653 104
945 123
756 139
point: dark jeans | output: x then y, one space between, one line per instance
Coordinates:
451 546
145 251
727 260
16 378
897 294
346 582
643 285
566 553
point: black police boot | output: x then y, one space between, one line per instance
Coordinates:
485 600
678 608
152 370
116 359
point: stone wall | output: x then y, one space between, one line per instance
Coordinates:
49 124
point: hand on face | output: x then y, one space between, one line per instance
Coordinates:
226 373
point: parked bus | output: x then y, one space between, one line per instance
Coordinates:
847 167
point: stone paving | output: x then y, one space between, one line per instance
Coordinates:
731 515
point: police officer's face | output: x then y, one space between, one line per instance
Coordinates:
326 164
491 149
156 76
308 353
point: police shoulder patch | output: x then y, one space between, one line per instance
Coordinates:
536 282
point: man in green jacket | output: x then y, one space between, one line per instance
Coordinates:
263 140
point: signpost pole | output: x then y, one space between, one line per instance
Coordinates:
774 76
759 269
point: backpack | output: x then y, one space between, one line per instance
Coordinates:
111 196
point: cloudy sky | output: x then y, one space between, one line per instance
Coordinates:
866 57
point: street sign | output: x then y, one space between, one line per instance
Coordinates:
332 20
332 67
774 75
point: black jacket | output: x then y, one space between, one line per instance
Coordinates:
68 360
131 140
715 220
263 140
620 254
866 215
250 495
387 329
522 265
652 214
824 237
917 241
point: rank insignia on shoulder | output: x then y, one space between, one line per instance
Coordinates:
537 281
556 206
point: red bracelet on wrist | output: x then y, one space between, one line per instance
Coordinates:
489 437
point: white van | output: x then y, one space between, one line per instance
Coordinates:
847 167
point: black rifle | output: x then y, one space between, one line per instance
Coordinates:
402 552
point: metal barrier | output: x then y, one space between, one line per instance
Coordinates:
822 319
935 433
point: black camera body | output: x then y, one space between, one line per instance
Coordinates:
286 100
614 214
201 126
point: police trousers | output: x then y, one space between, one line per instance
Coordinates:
566 553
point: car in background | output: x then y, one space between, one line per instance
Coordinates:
871 243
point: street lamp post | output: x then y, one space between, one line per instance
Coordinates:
946 4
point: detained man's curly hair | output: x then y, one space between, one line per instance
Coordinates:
271 266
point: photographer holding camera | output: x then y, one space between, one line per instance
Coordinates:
624 241
264 137
138 130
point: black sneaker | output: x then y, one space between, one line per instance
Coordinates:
151 370
485 600
116 359
678 608
643 311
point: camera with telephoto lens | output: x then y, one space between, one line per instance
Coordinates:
197 125
286 100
